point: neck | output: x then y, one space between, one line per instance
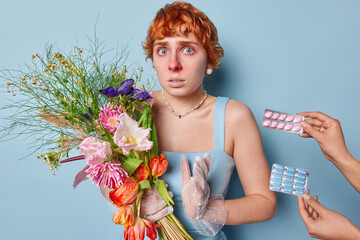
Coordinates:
183 105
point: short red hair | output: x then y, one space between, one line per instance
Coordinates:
181 18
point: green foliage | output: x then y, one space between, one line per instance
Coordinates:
63 89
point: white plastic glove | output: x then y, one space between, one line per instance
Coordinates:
153 207
207 213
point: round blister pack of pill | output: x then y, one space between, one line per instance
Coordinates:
282 121
288 179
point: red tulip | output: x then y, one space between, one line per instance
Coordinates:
150 229
126 193
137 231
142 173
158 165
124 216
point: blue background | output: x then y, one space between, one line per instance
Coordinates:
285 55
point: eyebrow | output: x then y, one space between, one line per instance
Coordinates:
164 43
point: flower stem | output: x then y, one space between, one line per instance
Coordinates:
73 159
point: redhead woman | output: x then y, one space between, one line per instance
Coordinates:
204 137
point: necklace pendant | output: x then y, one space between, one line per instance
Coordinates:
179 116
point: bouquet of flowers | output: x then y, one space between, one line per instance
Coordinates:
78 101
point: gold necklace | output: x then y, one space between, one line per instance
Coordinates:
189 111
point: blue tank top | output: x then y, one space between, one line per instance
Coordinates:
221 168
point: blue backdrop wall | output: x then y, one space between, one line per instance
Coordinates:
286 55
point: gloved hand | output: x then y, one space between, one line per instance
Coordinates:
207 213
153 207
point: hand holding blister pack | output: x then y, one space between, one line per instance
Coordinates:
282 121
288 179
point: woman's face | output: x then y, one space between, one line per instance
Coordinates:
180 63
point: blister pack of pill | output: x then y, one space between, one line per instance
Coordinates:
282 121
288 179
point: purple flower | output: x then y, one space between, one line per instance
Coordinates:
109 92
88 115
140 95
124 89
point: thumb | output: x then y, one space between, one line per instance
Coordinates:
185 170
314 204
310 130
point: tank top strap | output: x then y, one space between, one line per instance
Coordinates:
219 123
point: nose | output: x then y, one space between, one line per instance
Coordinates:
174 63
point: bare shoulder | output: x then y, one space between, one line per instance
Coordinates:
238 112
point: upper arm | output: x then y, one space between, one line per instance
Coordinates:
247 149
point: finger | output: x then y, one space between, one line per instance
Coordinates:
185 170
316 197
304 214
315 214
159 215
198 176
311 130
314 122
202 165
207 159
314 204
317 115
149 191
310 210
153 197
305 135
150 208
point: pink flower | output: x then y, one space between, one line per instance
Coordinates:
129 135
109 117
109 174
95 150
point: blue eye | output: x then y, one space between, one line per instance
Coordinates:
189 50
162 51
